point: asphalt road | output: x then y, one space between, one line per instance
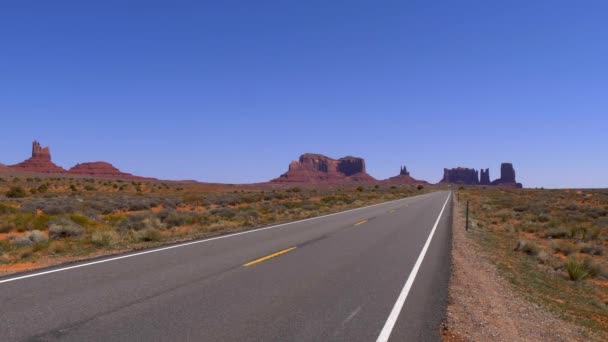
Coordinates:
361 275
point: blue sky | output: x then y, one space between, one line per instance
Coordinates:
232 91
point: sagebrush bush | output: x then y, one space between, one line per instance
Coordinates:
31 238
104 238
148 234
592 249
141 221
63 227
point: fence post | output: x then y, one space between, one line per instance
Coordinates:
467 225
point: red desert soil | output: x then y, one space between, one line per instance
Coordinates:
483 307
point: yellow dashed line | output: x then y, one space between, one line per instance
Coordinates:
392 211
269 256
360 223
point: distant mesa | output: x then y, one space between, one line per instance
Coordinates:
460 175
100 169
4 168
467 176
317 168
404 178
40 162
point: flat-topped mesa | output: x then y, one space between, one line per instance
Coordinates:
507 176
100 169
404 178
484 177
460 175
315 168
40 161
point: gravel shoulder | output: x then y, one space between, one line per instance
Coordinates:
482 306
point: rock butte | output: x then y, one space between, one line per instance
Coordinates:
39 162
317 168
466 176
404 178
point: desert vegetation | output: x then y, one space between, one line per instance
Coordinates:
552 245
46 221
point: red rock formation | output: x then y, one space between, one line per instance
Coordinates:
100 169
40 162
507 177
460 175
4 168
404 178
315 168
484 178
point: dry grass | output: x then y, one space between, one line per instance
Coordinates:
565 269
88 217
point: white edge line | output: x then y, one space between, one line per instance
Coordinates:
195 242
394 315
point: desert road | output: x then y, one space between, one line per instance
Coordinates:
378 273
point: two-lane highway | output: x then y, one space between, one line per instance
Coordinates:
374 273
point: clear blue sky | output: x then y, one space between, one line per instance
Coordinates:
232 91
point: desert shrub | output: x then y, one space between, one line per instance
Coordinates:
558 233
572 207
52 206
6 227
81 220
90 188
104 238
223 212
148 234
6 209
420 187
141 221
16 192
602 222
564 247
43 188
248 214
31 238
520 209
63 227
592 249
581 269
543 218
172 218
527 247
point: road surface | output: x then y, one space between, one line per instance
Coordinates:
377 273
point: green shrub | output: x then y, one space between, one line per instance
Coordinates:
420 187
16 192
6 209
581 269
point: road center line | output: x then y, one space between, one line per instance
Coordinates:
360 223
262 259
394 315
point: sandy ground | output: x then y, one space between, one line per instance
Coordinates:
483 307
